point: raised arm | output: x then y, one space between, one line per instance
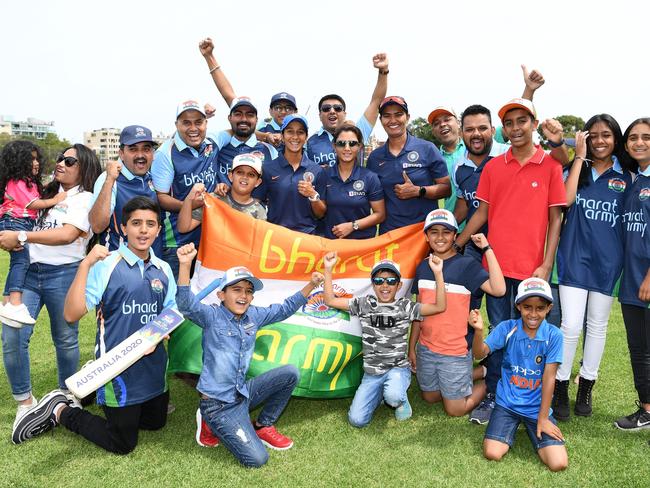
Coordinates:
186 222
532 81
206 46
435 263
379 61
571 183
75 300
479 348
332 300
496 284
100 214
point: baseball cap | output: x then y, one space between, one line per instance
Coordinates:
441 216
438 111
521 103
394 100
133 134
386 265
284 96
533 287
189 105
247 160
290 118
242 102
237 274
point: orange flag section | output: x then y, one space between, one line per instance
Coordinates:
231 238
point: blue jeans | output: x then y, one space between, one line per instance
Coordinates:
503 427
498 310
18 260
390 386
231 422
45 284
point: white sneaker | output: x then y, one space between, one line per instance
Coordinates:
23 409
16 313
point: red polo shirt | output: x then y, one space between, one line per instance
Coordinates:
519 198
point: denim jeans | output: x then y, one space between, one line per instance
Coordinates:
231 422
498 310
18 260
390 386
45 284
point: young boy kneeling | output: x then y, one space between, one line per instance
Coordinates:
229 332
385 325
532 352
131 276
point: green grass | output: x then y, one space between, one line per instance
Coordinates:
430 449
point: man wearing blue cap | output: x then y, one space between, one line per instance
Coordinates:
124 179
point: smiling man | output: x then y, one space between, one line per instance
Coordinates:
124 179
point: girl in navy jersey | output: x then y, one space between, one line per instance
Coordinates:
590 253
635 282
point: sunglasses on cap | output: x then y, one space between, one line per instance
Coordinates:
327 107
379 280
346 143
67 160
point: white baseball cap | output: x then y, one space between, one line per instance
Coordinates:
533 287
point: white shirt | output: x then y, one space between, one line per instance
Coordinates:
74 211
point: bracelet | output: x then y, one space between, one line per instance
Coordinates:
214 69
383 71
586 161
555 145
457 248
485 249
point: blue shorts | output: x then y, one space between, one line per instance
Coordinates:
503 427
450 375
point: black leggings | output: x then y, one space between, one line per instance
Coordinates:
637 325
118 432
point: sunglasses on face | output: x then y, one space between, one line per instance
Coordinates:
327 107
347 143
67 160
379 280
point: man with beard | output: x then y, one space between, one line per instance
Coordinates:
124 179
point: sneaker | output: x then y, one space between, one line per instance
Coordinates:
270 437
404 411
560 402
38 419
13 314
583 399
23 409
639 420
481 414
171 408
204 435
73 401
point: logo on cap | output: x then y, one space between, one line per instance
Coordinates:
242 271
533 285
139 132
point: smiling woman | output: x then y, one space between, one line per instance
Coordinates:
56 246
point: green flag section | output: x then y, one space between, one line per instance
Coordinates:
330 363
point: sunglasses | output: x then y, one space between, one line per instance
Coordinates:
327 107
379 280
68 160
347 143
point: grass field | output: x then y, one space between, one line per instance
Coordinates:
430 449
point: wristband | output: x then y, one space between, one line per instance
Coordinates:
383 71
422 192
485 249
555 145
457 248
214 69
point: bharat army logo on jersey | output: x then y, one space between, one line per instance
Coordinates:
413 156
151 187
644 194
156 285
358 185
208 150
616 184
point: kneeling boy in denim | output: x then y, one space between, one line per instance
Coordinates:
532 352
385 325
229 331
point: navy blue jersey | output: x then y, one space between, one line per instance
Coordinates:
423 164
590 253
350 200
637 240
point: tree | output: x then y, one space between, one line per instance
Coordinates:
421 128
570 124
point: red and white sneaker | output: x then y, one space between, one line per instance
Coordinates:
204 436
270 437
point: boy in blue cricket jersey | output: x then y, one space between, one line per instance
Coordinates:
229 331
532 352
128 287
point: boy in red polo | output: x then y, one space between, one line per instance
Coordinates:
521 195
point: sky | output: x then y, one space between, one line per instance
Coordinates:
87 65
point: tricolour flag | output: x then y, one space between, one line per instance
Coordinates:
323 343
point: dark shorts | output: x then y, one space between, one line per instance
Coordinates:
503 427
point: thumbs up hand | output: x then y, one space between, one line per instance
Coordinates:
406 190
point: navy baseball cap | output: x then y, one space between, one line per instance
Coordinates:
394 100
386 265
242 102
284 96
135 133
290 118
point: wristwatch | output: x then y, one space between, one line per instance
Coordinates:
315 198
355 225
485 249
423 191
22 237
